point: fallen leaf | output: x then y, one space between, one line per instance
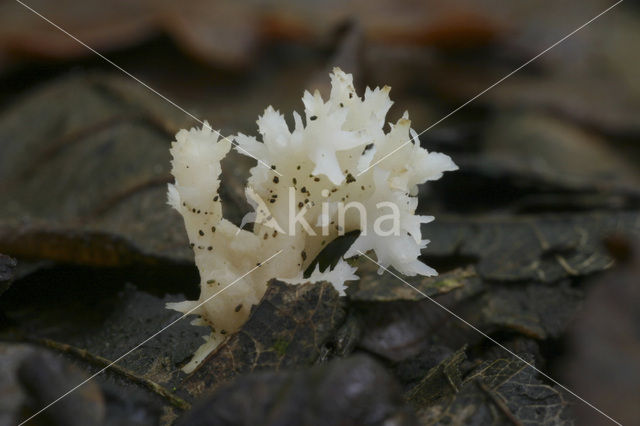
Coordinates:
87 183
374 287
288 328
543 248
440 381
499 392
535 311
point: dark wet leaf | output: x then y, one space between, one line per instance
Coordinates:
609 105
562 150
96 318
440 381
352 391
535 311
374 287
288 328
542 248
499 392
86 182
85 175
405 331
508 183
412 370
402 330
532 162
107 320
398 330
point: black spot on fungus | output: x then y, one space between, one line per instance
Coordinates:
362 187
258 264
276 179
265 236
304 255
350 95
201 233
272 200
317 179
216 198
313 117
209 248
294 181
300 204
198 212
213 229
350 178
273 167
223 331
304 189
274 233
193 210
341 105
191 245
237 309
298 168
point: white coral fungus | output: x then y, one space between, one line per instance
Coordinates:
324 188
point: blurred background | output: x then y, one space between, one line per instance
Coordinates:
555 148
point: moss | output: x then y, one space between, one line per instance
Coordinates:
280 346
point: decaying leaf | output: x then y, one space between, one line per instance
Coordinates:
286 329
98 312
499 392
537 248
374 287
440 381
85 183
535 311
85 175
